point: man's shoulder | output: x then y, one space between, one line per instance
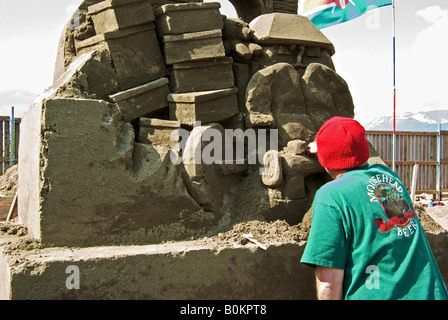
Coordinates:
353 179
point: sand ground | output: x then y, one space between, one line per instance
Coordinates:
439 214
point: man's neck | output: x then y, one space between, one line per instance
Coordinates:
335 174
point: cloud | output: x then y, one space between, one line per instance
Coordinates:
421 78
368 75
11 96
17 98
28 63
432 14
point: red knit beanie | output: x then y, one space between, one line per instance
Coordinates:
342 144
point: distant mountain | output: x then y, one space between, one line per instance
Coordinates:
412 121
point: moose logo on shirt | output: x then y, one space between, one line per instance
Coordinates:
397 210
386 190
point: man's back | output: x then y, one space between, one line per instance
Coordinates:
364 223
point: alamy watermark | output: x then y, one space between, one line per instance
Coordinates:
373 280
212 144
73 281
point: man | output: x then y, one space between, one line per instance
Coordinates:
366 241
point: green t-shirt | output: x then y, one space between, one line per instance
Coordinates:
364 223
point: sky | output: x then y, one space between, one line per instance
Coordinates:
30 32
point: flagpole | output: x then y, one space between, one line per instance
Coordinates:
394 142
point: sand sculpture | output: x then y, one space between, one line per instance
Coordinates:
132 76
170 122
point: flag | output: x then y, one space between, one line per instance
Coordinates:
325 13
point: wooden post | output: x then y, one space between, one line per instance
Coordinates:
12 142
13 206
414 181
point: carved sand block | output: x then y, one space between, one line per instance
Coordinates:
207 177
112 15
192 156
202 75
142 100
135 54
203 106
158 3
288 29
157 131
193 46
272 54
188 17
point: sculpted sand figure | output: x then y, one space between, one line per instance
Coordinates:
136 72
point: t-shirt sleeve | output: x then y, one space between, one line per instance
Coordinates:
327 243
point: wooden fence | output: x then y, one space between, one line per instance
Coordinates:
427 149
5 145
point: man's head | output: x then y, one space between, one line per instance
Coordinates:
342 144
